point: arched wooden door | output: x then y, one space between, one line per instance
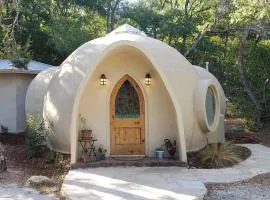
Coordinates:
127 134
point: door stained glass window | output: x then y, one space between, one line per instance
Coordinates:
127 103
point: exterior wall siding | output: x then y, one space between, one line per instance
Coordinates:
13 88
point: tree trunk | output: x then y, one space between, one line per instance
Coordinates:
186 17
3 162
194 45
241 67
108 19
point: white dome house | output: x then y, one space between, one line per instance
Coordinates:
134 91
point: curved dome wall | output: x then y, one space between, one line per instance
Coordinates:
77 69
217 135
37 90
65 91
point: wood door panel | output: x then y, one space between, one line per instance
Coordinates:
127 136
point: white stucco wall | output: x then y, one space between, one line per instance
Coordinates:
94 104
37 90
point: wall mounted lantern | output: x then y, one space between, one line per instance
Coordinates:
148 79
103 79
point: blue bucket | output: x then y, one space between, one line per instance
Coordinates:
159 154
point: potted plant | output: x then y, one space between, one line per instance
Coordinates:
100 155
86 134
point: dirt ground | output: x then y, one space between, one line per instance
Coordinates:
20 168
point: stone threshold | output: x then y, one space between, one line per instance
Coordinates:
124 162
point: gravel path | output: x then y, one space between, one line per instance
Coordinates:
243 192
257 188
13 192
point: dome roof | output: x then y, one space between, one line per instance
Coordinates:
126 28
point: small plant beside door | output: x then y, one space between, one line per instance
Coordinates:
101 153
86 134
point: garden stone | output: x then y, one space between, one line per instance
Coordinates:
38 181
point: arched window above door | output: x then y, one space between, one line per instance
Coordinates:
127 102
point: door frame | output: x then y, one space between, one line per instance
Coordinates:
143 108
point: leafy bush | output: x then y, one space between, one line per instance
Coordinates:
232 110
37 133
53 157
240 107
219 157
50 156
4 129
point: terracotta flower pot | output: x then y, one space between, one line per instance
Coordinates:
86 134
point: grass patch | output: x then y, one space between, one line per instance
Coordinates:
224 155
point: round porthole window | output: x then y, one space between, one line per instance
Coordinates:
210 106
207 105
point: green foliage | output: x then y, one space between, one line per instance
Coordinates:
240 107
48 31
19 54
4 129
102 150
71 27
221 157
53 157
50 156
36 137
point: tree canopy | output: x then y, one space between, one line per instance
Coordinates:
232 35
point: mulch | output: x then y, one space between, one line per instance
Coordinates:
20 168
243 138
17 158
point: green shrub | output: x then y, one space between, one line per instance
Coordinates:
36 136
219 157
240 107
4 129
50 156
232 111
53 157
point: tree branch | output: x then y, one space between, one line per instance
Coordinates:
194 45
204 33
241 67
